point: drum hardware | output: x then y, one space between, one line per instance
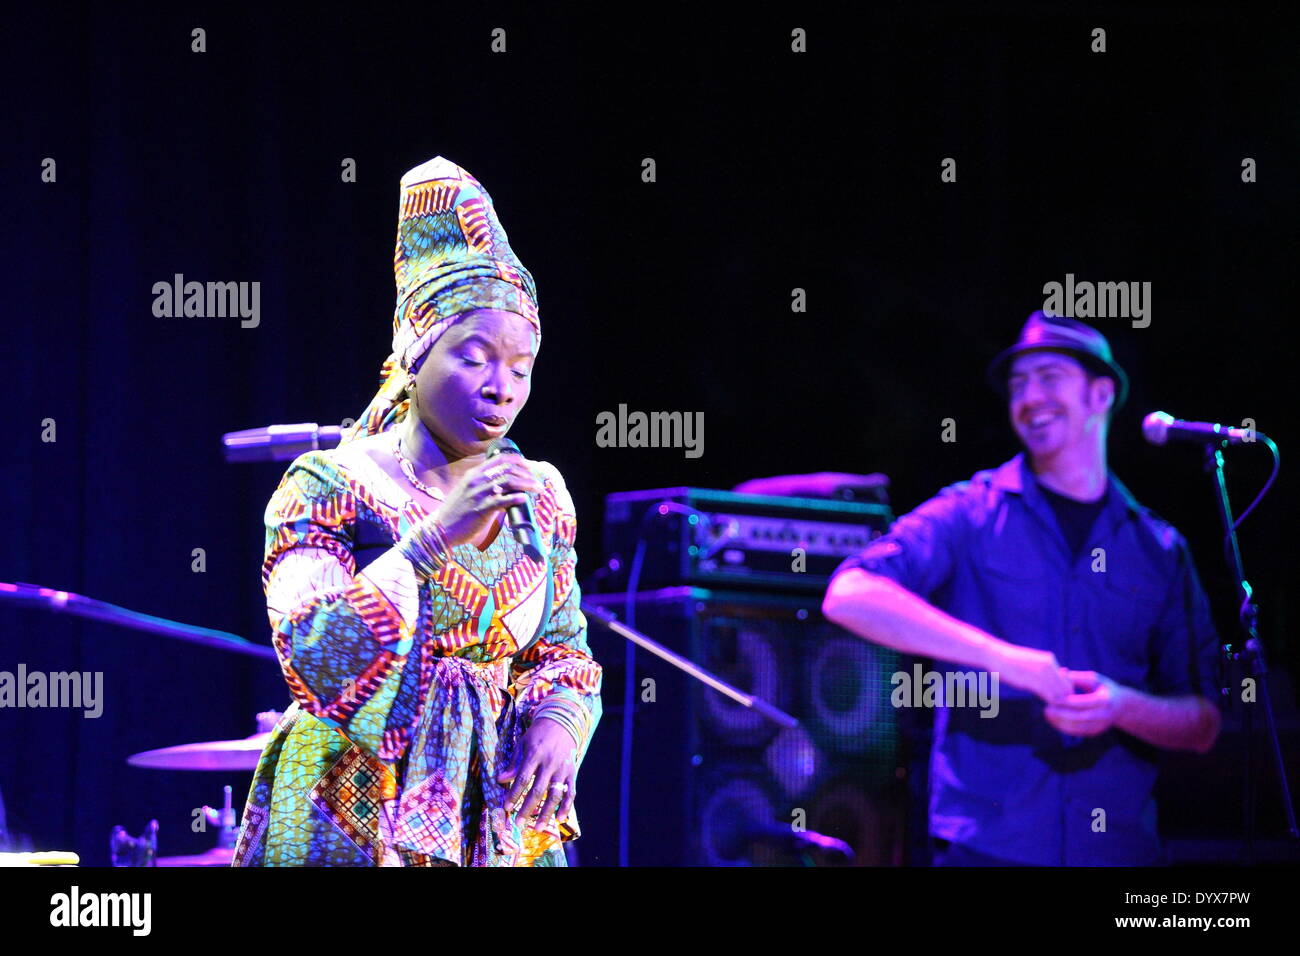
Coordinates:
126 850
241 754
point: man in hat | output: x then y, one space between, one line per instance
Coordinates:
1083 606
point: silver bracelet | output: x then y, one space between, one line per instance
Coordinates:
425 546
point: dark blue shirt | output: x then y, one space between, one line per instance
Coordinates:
1074 518
989 551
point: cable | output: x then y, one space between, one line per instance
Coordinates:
1277 464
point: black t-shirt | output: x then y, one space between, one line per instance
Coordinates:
1075 518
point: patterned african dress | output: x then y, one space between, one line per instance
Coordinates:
410 691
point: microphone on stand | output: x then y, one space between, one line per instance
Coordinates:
520 517
279 442
287 442
1159 429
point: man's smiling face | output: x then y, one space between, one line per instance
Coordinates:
1053 402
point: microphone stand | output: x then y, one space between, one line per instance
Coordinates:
78 605
1250 654
687 666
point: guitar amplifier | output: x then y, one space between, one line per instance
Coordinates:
710 538
712 782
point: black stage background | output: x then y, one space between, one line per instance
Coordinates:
775 171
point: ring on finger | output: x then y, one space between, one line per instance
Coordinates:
554 798
555 795
523 794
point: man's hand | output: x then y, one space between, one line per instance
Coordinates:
1033 670
546 762
1093 709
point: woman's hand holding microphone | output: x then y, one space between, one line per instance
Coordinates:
469 509
487 488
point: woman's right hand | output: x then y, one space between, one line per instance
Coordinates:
472 505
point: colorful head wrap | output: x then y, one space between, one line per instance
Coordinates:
452 257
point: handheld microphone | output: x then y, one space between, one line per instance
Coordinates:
1160 429
520 517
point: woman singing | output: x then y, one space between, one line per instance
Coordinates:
444 694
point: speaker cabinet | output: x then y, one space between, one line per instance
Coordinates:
714 783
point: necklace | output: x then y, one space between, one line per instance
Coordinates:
409 471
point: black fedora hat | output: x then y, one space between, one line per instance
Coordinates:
1056 333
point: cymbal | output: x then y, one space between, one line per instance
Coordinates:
208 755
